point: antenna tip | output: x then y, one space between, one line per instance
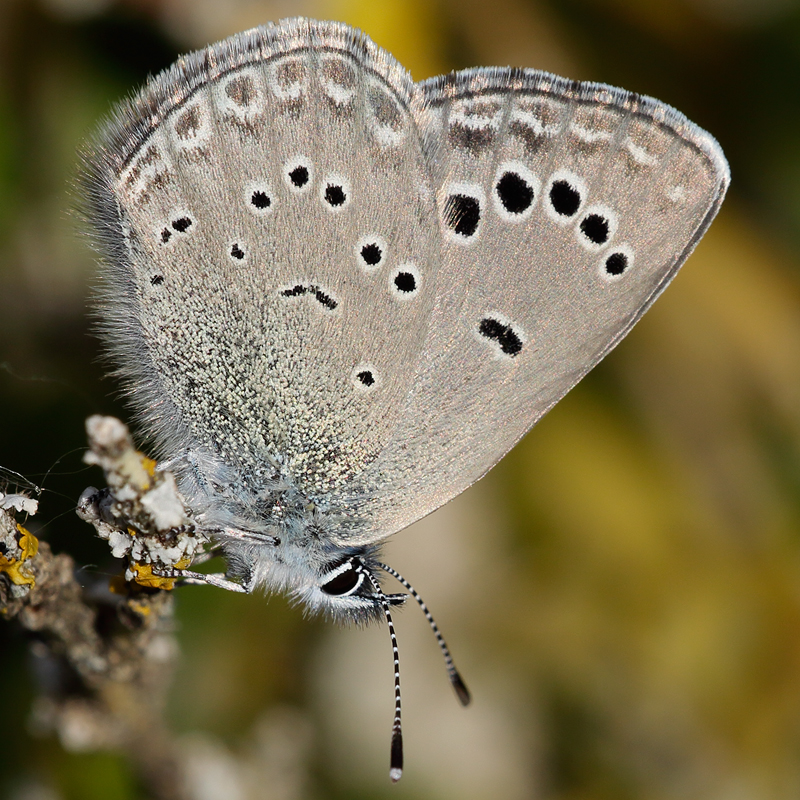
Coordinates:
461 689
396 761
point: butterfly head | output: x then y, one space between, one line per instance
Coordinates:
347 590
341 583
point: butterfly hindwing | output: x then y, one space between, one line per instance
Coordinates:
564 210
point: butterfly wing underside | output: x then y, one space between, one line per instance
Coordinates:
318 269
274 241
564 210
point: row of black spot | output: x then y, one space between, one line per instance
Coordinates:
502 334
462 212
335 195
405 282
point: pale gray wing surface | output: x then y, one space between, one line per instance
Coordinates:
274 242
564 211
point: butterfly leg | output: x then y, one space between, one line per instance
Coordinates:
216 579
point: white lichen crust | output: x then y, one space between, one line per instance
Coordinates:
141 514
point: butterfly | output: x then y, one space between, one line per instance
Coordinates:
336 297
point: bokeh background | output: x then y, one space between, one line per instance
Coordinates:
622 593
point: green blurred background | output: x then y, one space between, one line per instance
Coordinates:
622 593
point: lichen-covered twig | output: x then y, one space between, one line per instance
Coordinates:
106 650
141 513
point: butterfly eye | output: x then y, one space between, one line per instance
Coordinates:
345 583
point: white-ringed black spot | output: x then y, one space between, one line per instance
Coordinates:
335 195
462 214
371 254
502 334
366 377
565 198
260 200
404 282
616 264
157 280
299 176
334 191
237 252
298 173
515 193
596 228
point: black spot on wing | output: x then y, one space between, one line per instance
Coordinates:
515 193
320 295
596 228
501 334
462 214
565 198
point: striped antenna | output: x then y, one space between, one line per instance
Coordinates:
396 758
455 678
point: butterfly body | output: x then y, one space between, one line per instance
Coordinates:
337 297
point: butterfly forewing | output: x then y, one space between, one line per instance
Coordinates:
281 249
564 210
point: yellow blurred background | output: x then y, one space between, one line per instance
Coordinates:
622 593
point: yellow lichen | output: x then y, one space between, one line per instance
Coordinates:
149 465
144 575
17 570
141 607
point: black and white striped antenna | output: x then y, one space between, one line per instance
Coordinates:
396 757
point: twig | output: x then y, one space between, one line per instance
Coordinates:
106 652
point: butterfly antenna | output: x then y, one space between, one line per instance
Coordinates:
396 757
455 678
